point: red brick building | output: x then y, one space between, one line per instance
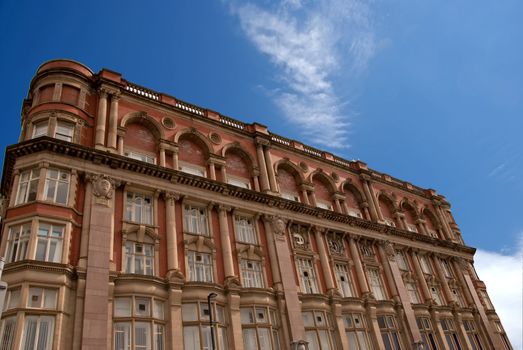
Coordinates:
126 208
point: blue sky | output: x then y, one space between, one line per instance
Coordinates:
426 91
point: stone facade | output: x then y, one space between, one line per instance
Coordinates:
126 208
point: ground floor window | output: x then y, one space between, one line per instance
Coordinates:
259 328
38 332
427 334
451 336
197 330
389 332
356 331
318 329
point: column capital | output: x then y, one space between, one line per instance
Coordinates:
171 196
224 208
365 177
262 141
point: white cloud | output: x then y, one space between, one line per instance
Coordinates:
309 43
502 274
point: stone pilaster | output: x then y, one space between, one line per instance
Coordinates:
264 178
375 214
101 118
113 121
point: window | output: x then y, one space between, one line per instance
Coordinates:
138 323
196 330
503 335
324 205
367 251
402 260
355 213
356 332
12 300
50 242
244 183
40 129
376 284
425 328
486 300
412 228
291 196
450 334
390 223
195 220
193 170
139 258
307 276
252 275
28 186
64 131
447 271
413 292
458 297
139 208
17 242
389 332
245 232
434 290
472 334
200 267
42 298
7 333
425 264
344 280
318 328
259 328
141 157
38 332
57 185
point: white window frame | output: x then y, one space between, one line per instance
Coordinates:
40 128
344 280
64 131
195 319
18 238
195 219
7 332
50 237
252 273
43 323
318 330
412 290
143 157
137 209
259 328
28 186
139 258
200 267
376 283
56 185
42 298
307 275
245 227
356 331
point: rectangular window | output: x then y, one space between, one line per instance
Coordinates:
141 156
243 183
28 186
252 275
486 300
196 330
12 299
413 292
40 129
402 260
38 332
318 330
139 258
17 242
7 333
449 331
291 196
472 334
458 297
425 264
259 328
376 284
344 280
245 232
447 271
307 276
42 298
356 332
389 332
200 267
50 242
57 185
195 220
64 131
436 295
367 251
193 170
427 334
324 205
139 208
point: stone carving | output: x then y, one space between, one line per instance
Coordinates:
103 187
278 225
389 250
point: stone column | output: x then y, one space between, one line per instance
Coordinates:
374 328
120 138
233 303
427 295
175 327
175 159
388 257
421 225
400 219
339 326
262 164
71 196
464 287
327 274
225 240
113 121
273 258
296 328
57 92
170 230
374 213
441 216
52 125
313 197
305 195
387 269
96 307
256 180
101 118
362 281
438 330
270 169
444 283
14 189
162 155
336 198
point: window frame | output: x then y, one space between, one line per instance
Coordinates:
358 328
326 327
256 323
390 332
376 284
308 284
30 186
199 319
199 224
344 270
206 267
130 254
239 229
252 277
146 210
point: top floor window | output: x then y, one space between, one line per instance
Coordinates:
425 264
446 268
139 208
57 185
64 131
141 156
40 129
61 129
245 232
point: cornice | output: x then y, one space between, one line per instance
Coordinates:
115 161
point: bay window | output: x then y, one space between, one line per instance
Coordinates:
389 332
451 336
57 185
318 329
38 332
259 328
50 242
356 331
427 334
196 330
27 186
17 242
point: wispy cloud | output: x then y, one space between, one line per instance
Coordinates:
496 170
309 43
502 273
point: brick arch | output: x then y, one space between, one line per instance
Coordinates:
348 186
389 206
289 176
327 180
431 220
411 213
247 158
143 118
200 138
290 167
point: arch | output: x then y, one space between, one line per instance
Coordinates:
431 220
292 168
387 205
324 178
236 148
347 185
143 118
195 134
411 213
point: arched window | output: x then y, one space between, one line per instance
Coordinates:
322 192
238 168
387 210
353 200
193 155
410 217
289 181
140 143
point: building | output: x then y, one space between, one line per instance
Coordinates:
127 212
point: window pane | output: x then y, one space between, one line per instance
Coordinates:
189 312
191 338
122 336
122 307
249 339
